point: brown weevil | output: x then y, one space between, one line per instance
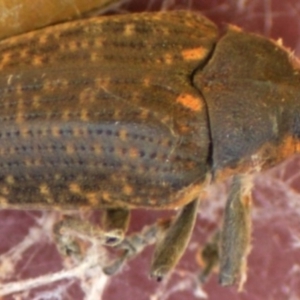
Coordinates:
144 111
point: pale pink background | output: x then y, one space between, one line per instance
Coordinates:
274 272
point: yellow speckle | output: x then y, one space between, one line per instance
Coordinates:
20 119
127 190
123 135
10 179
36 101
129 29
44 189
70 149
84 45
73 46
55 131
47 85
102 82
165 30
94 56
133 152
152 201
37 61
184 129
63 47
64 83
146 82
84 115
77 132
194 54
19 90
189 101
87 95
4 190
97 149
106 196
6 57
168 59
117 114
65 115
57 176
92 199
144 114
23 53
75 188
137 200
43 39
28 162
98 43
3 202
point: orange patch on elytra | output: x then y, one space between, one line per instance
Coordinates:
44 189
74 188
129 29
123 134
127 190
106 196
92 199
70 148
146 82
168 59
6 58
37 60
189 101
194 54
55 131
133 152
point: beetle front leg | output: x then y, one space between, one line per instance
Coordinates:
236 232
172 244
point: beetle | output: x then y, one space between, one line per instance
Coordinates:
143 111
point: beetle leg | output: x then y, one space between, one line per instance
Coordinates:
134 244
115 224
66 232
209 257
236 232
171 245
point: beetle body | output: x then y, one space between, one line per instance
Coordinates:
135 111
